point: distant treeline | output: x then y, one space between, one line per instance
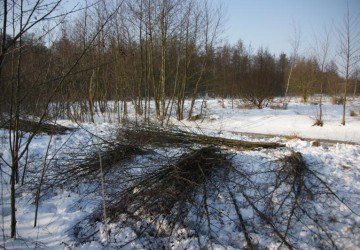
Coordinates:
164 51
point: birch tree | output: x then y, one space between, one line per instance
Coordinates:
295 44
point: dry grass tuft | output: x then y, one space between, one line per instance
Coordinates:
247 106
337 100
315 143
293 136
277 106
195 117
353 113
318 122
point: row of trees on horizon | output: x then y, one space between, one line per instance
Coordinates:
164 51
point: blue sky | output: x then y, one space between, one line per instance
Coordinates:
270 23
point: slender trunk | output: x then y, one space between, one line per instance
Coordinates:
163 63
24 170
285 102
355 87
348 62
38 190
91 96
103 195
171 101
321 102
195 92
16 141
3 45
151 63
181 94
347 67
12 199
146 83
187 61
209 41
141 82
344 99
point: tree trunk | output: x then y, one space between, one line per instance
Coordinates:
163 62
91 96
12 199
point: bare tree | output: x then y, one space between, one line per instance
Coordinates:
212 21
304 77
333 79
14 52
189 48
22 21
295 44
260 86
322 50
349 50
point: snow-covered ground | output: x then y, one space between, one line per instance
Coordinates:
296 121
327 217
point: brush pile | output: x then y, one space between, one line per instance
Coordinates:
29 126
173 184
158 203
162 137
204 197
85 165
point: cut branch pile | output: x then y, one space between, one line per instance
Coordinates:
161 137
37 127
295 201
161 201
286 200
202 195
86 166
158 192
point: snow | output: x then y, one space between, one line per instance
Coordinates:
336 161
297 120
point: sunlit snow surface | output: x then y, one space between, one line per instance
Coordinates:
336 161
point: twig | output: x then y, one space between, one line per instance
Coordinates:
267 220
242 222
